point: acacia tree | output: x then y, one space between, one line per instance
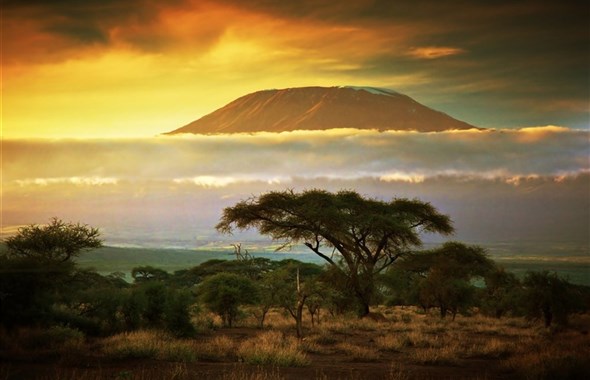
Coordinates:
446 273
367 234
548 296
57 241
37 266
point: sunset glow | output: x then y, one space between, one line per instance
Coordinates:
140 68
89 87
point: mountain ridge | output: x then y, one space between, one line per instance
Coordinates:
322 108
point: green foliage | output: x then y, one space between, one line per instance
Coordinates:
56 241
177 313
37 271
368 234
224 293
401 287
155 294
148 273
444 276
253 268
548 296
133 304
502 293
28 288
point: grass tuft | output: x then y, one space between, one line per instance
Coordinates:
273 348
358 353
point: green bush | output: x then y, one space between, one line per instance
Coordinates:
177 315
224 293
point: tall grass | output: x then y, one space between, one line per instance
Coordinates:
147 344
524 349
273 348
357 353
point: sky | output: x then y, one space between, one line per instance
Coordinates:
88 87
136 68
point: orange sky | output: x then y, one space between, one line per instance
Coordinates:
142 67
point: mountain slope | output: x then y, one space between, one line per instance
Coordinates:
319 108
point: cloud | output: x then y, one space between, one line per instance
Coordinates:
221 160
497 185
78 181
434 52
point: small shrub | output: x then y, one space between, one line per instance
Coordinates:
65 337
177 317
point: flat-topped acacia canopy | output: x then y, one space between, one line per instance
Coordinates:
368 234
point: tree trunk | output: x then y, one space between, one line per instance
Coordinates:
548 316
299 311
443 311
299 317
363 309
262 317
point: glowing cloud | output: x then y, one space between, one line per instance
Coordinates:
434 52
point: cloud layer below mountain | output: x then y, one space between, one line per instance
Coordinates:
494 183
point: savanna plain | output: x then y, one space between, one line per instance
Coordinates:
405 343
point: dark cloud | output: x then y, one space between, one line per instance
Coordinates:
69 26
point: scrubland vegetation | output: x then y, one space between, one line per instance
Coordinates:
448 312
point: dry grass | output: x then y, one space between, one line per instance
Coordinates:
273 348
357 353
393 342
447 355
515 346
559 356
218 348
323 337
136 344
148 344
492 348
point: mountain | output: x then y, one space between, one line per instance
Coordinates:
319 108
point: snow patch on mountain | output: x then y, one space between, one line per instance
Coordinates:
373 90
